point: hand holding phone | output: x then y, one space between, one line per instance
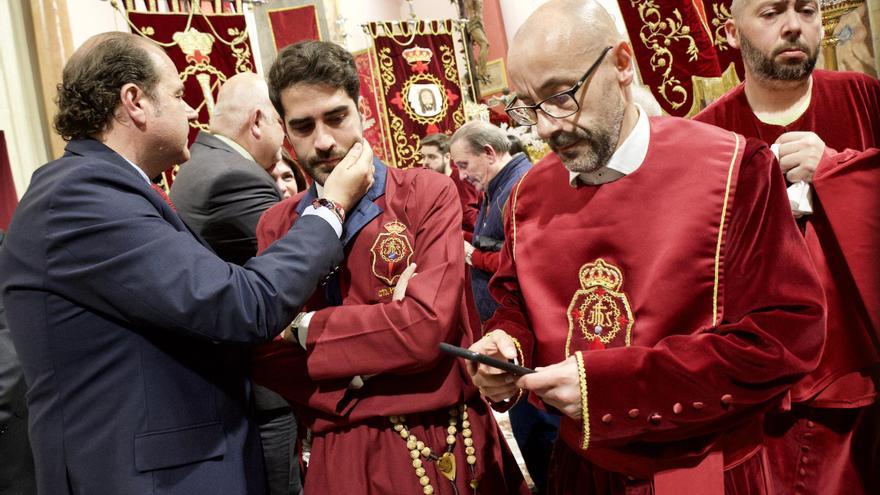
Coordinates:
484 359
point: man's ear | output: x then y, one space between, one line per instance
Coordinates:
624 62
490 152
256 122
132 101
732 33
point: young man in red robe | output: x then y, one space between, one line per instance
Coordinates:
828 441
389 413
668 306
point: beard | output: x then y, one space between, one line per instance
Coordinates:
767 68
319 165
600 142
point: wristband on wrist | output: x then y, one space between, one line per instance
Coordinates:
333 206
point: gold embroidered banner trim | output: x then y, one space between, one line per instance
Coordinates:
719 36
408 29
658 34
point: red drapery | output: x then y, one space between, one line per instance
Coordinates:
293 24
206 49
372 108
8 197
419 82
681 51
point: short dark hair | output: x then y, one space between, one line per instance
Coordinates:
88 94
313 62
438 140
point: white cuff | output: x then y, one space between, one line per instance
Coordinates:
302 330
327 215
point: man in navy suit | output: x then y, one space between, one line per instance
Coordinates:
126 323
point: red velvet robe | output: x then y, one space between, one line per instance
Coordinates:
844 111
819 450
407 216
709 306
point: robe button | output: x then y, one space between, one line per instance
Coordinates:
726 400
633 413
698 405
677 408
808 435
805 460
810 424
655 418
804 448
802 472
606 419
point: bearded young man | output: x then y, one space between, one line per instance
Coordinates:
644 290
388 412
828 441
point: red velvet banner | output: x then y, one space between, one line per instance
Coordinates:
680 48
419 82
372 108
8 196
206 49
293 24
717 12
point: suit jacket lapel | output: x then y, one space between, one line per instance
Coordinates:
366 210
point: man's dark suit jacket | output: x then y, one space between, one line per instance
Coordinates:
125 324
16 461
221 195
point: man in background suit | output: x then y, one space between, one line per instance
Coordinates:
225 186
220 193
17 468
125 323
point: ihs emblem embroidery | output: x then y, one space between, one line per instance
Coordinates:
598 310
391 252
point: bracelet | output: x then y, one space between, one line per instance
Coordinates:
333 206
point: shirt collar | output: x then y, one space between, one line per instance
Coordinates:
232 144
625 160
139 170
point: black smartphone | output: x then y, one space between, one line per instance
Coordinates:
484 359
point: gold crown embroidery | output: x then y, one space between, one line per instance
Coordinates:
390 250
598 309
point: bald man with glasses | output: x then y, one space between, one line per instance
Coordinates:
643 274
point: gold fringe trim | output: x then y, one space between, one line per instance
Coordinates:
585 411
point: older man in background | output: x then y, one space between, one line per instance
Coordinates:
435 156
226 185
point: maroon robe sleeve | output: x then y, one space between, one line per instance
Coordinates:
400 337
770 332
846 190
510 315
486 260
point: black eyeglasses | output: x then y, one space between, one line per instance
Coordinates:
557 106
